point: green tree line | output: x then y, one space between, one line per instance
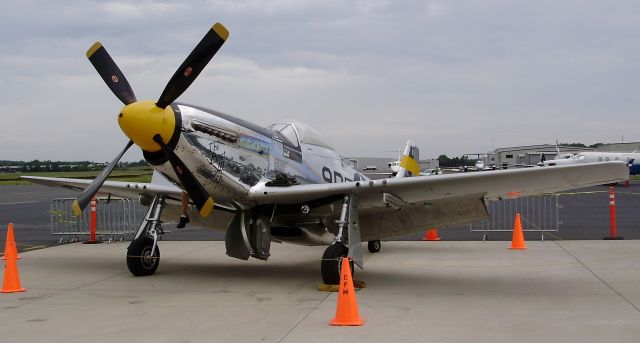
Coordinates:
60 166
456 161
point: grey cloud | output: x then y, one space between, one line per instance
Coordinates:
450 75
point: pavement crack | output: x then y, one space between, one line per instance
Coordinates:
303 317
598 277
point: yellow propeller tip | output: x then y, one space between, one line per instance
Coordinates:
77 211
221 31
206 208
92 50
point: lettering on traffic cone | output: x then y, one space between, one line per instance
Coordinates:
11 279
347 309
517 242
10 244
431 235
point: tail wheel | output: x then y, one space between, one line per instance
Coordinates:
374 246
140 261
330 265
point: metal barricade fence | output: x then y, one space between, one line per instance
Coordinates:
115 217
538 213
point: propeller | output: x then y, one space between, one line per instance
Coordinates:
196 192
193 64
110 73
85 196
151 124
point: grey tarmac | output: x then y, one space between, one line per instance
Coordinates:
555 291
583 216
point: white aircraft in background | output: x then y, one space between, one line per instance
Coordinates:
632 159
284 183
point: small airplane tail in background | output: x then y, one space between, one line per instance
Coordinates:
409 165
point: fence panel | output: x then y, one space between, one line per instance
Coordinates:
538 213
114 217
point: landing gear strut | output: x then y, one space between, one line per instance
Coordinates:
143 254
344 245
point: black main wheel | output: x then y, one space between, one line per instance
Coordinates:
330 265
374 246
139 258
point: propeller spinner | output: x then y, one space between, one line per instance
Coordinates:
149 124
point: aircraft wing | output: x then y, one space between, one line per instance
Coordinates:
423 190
117 188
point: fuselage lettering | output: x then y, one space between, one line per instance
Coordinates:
330 176
326 174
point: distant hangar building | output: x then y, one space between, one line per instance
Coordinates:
527 154
619 147
532 154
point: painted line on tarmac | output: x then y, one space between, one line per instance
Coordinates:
19 202
35 247
581 193
24 248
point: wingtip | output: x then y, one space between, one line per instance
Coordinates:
206 208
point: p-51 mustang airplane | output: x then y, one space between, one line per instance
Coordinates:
285 183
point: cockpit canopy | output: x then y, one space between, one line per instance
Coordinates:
296 133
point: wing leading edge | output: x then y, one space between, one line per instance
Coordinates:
117 188
415 190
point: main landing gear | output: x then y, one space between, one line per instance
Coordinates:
143 254
330 265
143 257
344 246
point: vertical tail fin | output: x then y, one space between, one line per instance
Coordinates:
409 165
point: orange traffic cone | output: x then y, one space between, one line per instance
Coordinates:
11 279
10 243
431 235
517 242
347 309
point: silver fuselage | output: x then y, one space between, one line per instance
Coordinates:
229 156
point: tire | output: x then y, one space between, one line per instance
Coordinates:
330 265
139 259
374 246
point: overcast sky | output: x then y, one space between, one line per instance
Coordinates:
454 76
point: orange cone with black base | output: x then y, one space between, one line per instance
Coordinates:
10 243
11 278
517 242
347 309
431 235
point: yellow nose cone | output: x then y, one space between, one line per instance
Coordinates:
142 120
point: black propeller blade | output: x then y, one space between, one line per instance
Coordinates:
84 198
196 191
110 73
179 82
193 64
